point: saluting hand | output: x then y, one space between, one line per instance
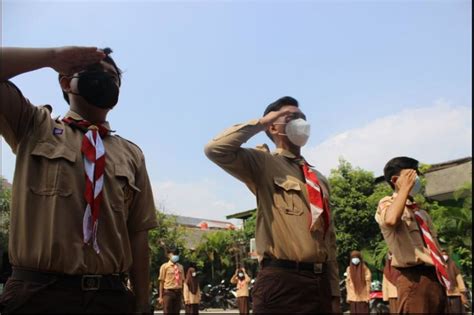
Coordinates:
271 117
71 59
406 181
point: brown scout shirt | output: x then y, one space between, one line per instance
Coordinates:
48 193
244 290
352 295
405 241
168 278
459 287
282 227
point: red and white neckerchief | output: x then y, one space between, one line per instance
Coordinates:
318 203
177 275
93 152
240 283
439 263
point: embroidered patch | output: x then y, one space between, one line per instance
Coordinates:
57 131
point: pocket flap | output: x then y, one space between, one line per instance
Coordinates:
54 151
123 171
286 184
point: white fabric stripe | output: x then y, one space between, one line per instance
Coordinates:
89 169
437 258
309 182
446 281
86 224
427 234
315 214
99 148
99 183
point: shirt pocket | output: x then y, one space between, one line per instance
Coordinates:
288 196
414 231
124 189
53 165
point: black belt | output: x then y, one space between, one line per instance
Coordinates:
173 290
418 268
83 282
316 268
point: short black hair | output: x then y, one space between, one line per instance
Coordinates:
396 165
107 51
277 105
173 250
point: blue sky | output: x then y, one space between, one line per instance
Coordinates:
375 78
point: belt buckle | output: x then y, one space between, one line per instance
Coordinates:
318 268
90 282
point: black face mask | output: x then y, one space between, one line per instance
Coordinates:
98 88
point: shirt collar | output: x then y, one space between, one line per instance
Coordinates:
76 116
291 156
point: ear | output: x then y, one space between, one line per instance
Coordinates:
272 129
394 179
65 83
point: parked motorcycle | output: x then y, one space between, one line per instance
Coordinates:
342 289
376 304
218 296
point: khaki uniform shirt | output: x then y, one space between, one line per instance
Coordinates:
48 204
352 295
405 241
282 227
168 278
389 290
459 287
190 298
244 290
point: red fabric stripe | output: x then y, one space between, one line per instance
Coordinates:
316 197
441 270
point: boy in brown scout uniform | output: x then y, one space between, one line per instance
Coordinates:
411 238
171 280
295 237
72 174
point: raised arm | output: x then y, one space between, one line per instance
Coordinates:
65 60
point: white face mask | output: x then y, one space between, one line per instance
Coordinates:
297 131
174 258
445 257
355 260
416 187
193 274
241 275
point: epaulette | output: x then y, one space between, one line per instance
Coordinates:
135 145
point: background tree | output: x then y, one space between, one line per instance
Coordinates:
352 204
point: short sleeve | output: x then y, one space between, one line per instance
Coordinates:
382 208
142 210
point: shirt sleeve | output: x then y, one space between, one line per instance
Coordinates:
368 279
382 208
385 288
142 210
233 279
348 284
460 283
17 115
244 164
162 275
